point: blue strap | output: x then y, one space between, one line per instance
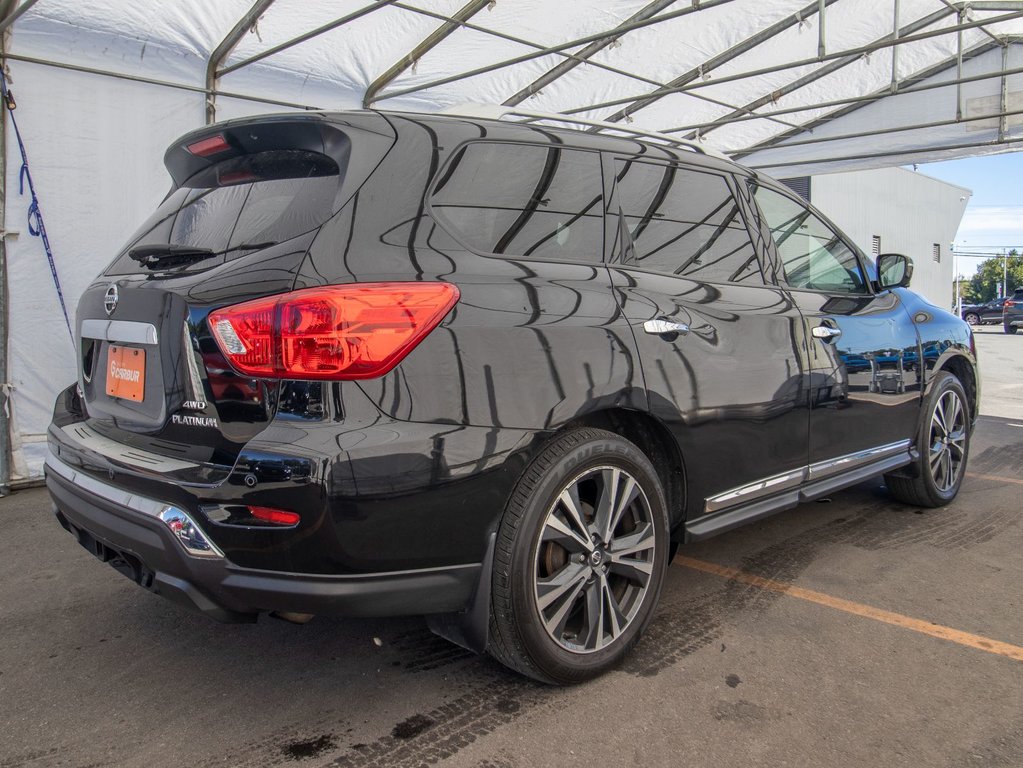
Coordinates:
36 227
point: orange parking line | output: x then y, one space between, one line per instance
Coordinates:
857 609
997 478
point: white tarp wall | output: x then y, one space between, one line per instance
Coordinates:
96 142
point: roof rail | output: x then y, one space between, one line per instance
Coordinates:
498 111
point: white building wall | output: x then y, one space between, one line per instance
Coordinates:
909 211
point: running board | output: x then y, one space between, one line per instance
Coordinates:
725 520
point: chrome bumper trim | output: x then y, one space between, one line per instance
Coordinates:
120 331
185 531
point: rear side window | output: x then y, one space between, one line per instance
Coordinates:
523 200
243 203
684 222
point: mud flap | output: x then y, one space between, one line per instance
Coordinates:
470 628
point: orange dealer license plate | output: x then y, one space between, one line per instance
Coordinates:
126 373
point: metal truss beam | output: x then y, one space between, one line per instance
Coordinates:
154 81
841 102
222 51
307 36
10 12
1007 143
852 54
699 5
431 41
572 56
839 62
720 59
918 77
586 53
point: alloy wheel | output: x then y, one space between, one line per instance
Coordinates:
948 441
594 559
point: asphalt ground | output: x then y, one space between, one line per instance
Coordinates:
854 631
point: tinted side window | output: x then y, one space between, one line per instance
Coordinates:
685 222
813 256
524 200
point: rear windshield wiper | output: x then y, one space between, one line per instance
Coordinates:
167 255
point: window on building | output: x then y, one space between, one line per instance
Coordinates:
937 252
524 200
875 245
684 222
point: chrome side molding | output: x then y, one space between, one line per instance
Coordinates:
185 531
851 461
120 331
818 470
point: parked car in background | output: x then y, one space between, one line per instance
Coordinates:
1012 313
376 363
988 313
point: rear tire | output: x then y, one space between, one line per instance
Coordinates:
972 318
581 555
1009 328
943 442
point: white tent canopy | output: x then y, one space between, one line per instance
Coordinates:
789 86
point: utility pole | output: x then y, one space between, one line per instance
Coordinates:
1005 273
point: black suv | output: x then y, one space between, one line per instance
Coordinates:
484 371
988 313
1012 312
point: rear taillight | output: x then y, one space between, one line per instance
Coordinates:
355 331
1009 303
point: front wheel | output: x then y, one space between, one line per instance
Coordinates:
972 318
581 555
1009 328
943 443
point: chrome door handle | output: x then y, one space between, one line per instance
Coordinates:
659 327
826 333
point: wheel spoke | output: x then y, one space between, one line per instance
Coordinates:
553 588
640 540
557 530
555 622
957 409
617 496
634 570
569 500
950 477
594 639
616 620
939 416
937 466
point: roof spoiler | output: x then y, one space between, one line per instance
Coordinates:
210 145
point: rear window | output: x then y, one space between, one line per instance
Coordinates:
525 200
242 204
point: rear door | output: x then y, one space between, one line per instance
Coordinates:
864 354
729 384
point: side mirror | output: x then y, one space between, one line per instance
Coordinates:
893 271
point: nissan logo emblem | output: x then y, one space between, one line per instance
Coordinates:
110 300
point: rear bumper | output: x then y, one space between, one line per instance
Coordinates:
162 549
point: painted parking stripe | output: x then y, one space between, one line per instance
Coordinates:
995 478
857 609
